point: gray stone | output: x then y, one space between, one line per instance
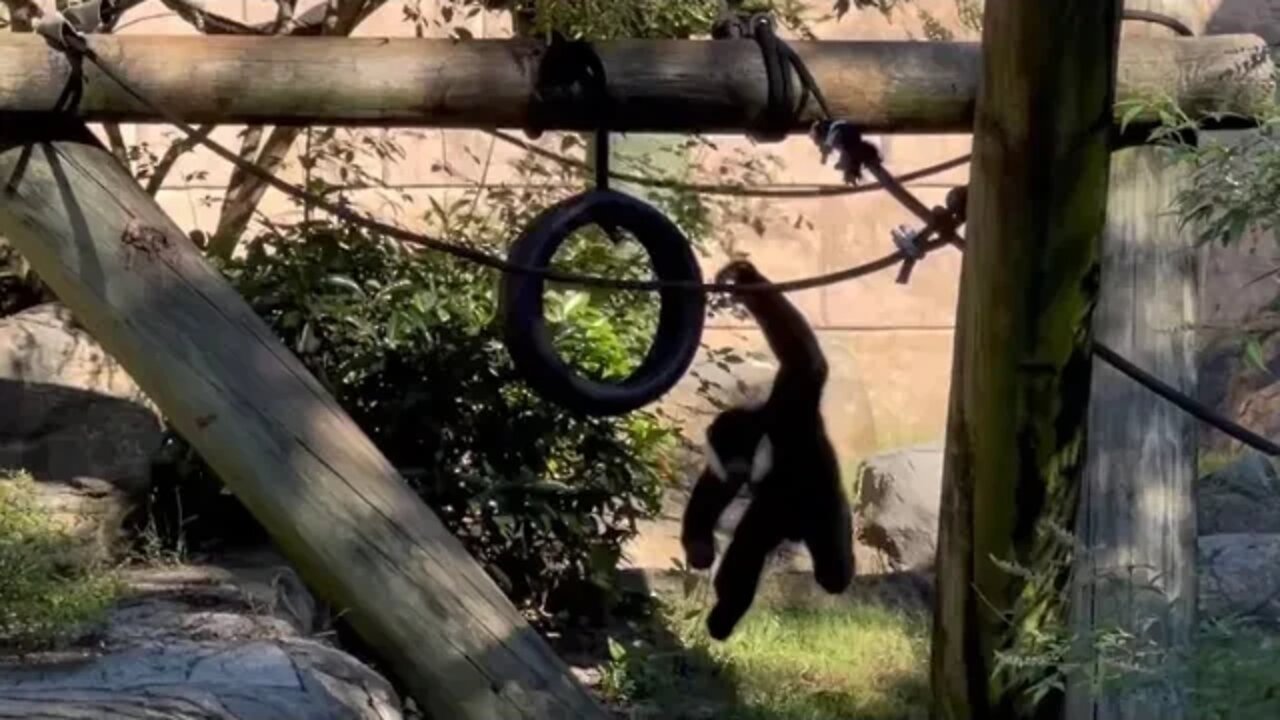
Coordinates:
75 420
1243 497
200 643
896 508
1239 576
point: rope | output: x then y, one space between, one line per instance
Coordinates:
731 190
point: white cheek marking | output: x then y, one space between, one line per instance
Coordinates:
714 465
762 462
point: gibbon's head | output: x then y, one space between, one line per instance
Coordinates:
738 448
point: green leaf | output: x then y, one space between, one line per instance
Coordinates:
1253 353
344 282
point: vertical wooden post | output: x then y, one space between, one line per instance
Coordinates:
1136 568
1016 425
334 505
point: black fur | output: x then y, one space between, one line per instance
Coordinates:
801 498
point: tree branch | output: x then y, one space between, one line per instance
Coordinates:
244 191
176 150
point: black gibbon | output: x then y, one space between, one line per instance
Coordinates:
780 450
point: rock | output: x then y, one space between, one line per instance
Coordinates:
75 420
199 643
896 508
1243 497
1239 575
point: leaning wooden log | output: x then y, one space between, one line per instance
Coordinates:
678 86
1015 452
334 505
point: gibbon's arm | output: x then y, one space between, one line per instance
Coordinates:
710 496
785 328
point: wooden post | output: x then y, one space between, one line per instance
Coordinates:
681 86
1136 570
1016 425
333 504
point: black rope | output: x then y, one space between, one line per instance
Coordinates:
1184 401
733 190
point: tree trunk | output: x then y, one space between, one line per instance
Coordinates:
1016 428
1137 511
333 504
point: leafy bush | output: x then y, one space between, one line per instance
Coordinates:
49 593
407 343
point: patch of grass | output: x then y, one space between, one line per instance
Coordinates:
864 662
49 593
1235 673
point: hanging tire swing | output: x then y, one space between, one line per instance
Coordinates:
520 295
680 318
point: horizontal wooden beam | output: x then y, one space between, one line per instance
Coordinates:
658 85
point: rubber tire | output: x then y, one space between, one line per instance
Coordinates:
680 319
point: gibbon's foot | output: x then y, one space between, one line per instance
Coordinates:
720 622
700 554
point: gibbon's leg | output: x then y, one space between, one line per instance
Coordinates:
829 531
739 574
710 496
830 541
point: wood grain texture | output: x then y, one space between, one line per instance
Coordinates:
1015 437
1137 510
659 85
334 505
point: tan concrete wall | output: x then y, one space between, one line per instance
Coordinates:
889 345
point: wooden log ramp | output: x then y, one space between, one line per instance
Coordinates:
679 86
335 506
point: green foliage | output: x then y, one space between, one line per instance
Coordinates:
407 345
603 19
50 592
1232 188
1235 672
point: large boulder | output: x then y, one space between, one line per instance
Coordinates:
75 420
1243 497
896 508
1239 575
201 643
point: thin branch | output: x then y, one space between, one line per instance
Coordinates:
244 191
176 150
210 23
116 140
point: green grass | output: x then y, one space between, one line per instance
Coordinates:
840 663
868 663
1236 674
50 593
